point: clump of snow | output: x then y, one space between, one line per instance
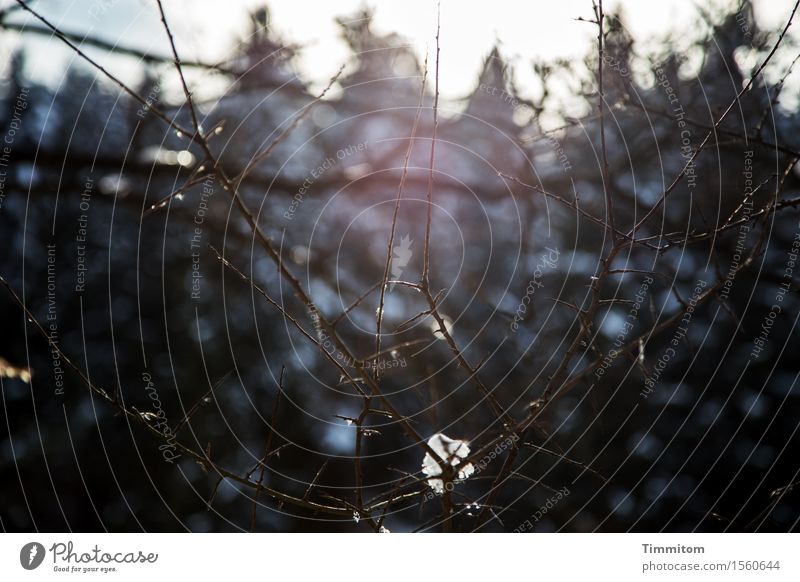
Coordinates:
449 450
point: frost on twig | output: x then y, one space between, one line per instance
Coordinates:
451 451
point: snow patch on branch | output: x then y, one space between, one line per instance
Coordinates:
451 451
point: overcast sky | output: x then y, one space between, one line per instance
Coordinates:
207 29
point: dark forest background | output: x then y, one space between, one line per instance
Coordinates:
692 426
